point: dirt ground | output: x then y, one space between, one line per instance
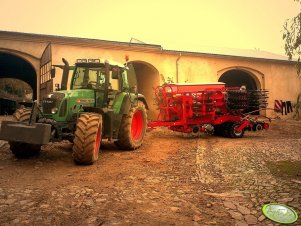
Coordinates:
171 180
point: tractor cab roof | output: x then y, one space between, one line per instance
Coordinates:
97 62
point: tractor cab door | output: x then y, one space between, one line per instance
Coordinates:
132 79
46 80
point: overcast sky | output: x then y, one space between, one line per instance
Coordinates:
191 25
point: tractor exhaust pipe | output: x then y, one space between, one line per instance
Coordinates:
65 75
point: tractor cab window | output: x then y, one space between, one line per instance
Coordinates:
89 78
125 82
119 79
131 76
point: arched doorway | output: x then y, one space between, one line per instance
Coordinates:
147 79
16 68
238 78
12 91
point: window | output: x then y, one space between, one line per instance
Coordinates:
89 78
45 73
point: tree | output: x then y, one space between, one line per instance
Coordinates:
292 46
292 38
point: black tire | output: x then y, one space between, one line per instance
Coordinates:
225 129
87 138
24 150
235 134
132 128
20 149
218 130
22 114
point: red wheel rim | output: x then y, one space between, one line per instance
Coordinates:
137 125
97 140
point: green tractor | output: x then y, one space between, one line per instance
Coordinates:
102 103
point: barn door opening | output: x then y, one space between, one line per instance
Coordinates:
18 82
240 78
147 80
46 81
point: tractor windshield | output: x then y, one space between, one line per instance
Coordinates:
89 78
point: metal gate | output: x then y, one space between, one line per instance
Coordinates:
46 81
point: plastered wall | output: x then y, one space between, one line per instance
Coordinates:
279 77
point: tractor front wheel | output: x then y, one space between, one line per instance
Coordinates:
87 138
132 128
19 149
24 150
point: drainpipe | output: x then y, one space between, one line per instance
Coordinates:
177 67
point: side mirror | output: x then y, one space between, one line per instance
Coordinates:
52 72
115 72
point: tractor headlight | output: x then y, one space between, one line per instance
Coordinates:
54 110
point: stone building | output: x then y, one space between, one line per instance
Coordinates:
29 57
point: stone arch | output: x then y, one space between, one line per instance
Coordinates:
147 79
13 66
238 76
241 76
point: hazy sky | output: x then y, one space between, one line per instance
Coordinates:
174 24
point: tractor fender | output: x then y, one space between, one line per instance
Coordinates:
127 103
142 99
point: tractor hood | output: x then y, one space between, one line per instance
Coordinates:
84 97
62 104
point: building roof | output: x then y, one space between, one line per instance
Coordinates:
248 53
139 46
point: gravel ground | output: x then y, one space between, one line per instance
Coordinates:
172 180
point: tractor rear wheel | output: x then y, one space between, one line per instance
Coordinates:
132 128
87 138
20 149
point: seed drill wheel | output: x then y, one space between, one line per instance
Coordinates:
87 138
234 133
132 128
20 149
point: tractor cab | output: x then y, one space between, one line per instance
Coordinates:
100 75
103 78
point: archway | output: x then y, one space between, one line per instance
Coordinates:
147 79
12 91
14 67
238 78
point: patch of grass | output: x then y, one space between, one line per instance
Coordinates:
290 169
